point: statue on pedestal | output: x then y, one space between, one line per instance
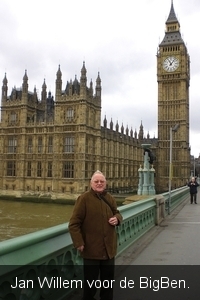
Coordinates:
146 184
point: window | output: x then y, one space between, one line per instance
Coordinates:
29 168
68 169
11 169
70 114
40 144
50 144
13 117
30 145
49 171
12 145
39 169
86 170
69 144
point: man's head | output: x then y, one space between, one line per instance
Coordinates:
98 182
193 179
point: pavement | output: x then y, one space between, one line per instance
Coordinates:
176 241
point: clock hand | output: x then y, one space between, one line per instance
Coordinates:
171 61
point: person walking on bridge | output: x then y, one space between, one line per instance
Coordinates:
92 229
193 184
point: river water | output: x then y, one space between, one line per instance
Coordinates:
19 218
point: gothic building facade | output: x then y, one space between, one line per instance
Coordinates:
52 146
173 76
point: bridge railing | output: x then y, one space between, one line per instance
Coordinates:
45 265
177 196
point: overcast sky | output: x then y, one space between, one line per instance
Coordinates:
119 39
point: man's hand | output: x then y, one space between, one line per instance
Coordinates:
80 248
113 221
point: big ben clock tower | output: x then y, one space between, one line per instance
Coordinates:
173 76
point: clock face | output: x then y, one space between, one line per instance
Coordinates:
170 64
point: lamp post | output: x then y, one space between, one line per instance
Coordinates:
172 129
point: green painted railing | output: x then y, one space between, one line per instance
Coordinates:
177 196
40 263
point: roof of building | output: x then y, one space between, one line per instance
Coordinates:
173 36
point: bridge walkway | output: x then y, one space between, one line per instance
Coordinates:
175 242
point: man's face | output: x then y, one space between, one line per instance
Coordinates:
98 183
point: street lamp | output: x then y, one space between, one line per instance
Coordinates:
172 129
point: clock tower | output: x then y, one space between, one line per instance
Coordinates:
173 76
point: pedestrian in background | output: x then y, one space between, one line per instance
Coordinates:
92 228
193 184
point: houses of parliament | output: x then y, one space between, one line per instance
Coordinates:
51 146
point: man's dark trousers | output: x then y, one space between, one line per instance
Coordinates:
95 270
193 197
